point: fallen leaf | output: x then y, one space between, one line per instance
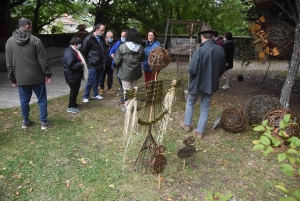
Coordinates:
80 185
30 162
1 176
162 178
111 185
30 190
17 193
104 130
91 127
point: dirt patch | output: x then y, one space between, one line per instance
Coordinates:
258 82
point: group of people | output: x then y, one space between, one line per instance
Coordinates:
91 59
100 56
97 56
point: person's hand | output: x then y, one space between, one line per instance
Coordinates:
112 55
47 80
15 84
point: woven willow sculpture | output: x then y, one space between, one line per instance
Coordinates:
259 106
233 120
274 36
188 151
276 115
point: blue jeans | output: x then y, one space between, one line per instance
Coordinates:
204 110
25 93
93 82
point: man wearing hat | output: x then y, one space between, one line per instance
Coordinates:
206 67
81 33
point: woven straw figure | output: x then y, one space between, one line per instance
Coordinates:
276 115
259 106
233 120
159 162
188 151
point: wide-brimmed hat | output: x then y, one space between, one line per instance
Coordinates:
206 29
81 26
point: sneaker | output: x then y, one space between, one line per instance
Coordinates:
72 110
101 91
225 87
45 126
111 91
85 100
198 135
185 127
98 97
26 124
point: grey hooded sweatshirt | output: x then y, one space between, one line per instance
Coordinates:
26 59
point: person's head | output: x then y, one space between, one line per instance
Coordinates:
215 34
227 36
109 37
206 33
76 42
123 35
151 35
99 30
25 23
133 35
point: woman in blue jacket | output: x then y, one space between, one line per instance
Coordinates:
151 44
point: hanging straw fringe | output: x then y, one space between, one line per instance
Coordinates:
167 104
130 124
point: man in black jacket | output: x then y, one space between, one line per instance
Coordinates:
28 68
93 51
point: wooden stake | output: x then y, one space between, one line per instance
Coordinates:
158 180
184 163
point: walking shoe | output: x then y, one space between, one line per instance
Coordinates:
26 124
225 87
185 127
111 91
45 126
72 110
85 100
101 91
98 97
198 135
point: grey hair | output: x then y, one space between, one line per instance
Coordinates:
23 22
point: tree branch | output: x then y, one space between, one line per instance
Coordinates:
17 3
293 17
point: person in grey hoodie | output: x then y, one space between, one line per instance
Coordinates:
128 60
28 69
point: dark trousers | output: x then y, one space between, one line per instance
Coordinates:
109 72
25 93
74 90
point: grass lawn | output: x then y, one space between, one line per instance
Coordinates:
81 158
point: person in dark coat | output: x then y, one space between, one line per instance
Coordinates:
28 69
206 67
229 48
217 39
109 42
73 64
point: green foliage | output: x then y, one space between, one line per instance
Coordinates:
291 157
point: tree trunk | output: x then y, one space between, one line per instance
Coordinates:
4 23
35 28
293 70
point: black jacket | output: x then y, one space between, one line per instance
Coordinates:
107 48
229 48
94 52
72 66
